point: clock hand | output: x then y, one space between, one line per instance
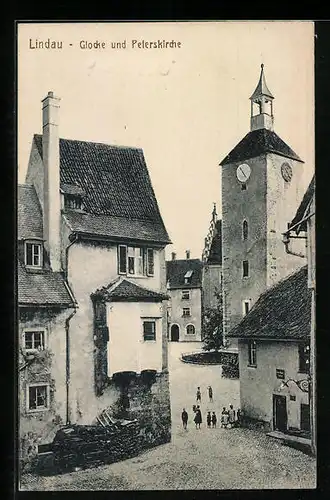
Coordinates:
242 172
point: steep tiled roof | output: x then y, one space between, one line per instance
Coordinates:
258 142
215 256
117 227
282 313
42 288
176 270
303 207
126 291
116 183
29 217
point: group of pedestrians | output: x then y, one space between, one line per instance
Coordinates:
229 418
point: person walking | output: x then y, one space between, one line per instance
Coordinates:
198 418
184 417
214 419
231 415
224 418
208 419
239 416
198 394
210 394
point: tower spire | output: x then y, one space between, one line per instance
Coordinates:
262 105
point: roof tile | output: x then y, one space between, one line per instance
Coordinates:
177 269
303 207
115 181
283 312
259 142
42 288
128 292
29 216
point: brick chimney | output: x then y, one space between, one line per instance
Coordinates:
51 161
187 254
173 255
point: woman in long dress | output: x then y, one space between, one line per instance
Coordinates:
198 418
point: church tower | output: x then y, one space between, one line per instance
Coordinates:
260 190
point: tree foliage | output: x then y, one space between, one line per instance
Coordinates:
212 329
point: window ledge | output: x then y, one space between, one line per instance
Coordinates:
33 268
37 410
252 366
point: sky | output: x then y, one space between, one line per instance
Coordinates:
186 107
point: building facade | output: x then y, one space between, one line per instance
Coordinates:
184 285
261 180
274 357
45 305
212 263
103 233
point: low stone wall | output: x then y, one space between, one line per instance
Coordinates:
228 360
254 424
150 405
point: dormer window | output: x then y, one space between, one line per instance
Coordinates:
73 202
33 254
187 277
73 196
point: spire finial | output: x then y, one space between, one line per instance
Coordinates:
262 66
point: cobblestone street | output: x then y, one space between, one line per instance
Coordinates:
196 459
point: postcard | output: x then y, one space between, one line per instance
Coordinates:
166 256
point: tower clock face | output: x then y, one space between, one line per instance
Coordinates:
286 172
243 172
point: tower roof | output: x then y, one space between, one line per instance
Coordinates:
261 88
259 142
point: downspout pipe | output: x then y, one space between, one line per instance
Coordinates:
67 367
67 333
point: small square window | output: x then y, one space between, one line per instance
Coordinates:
292 397
34 340
186 311
185 295
280 374
38 397
149 330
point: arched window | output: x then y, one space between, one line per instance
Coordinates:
245 230
190 330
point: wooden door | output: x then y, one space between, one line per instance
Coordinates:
280 413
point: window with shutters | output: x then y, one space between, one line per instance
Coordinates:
149 330
135 261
